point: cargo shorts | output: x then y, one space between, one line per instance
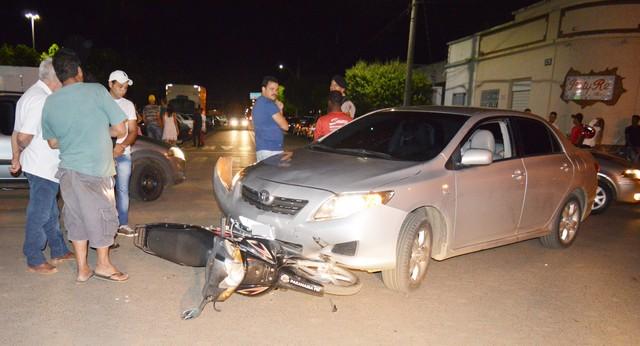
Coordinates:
89 211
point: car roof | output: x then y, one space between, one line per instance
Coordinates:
460 110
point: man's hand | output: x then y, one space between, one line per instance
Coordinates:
118 150
15 167
280 105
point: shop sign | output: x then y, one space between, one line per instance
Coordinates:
587 89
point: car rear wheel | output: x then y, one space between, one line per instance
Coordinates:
413 255
147 181
566 226
604 195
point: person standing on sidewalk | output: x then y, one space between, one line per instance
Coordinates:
39 163
119 83
268 121
80 120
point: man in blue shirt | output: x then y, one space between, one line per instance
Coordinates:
268 121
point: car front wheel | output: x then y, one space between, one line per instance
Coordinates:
604 195
566 226
147 181
413 255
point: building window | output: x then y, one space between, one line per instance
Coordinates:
520 91
459 99
489 98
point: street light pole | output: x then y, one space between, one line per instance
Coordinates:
33 17
412 39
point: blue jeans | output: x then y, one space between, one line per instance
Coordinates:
43 225
154 131
123 173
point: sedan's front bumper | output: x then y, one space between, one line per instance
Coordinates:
365 240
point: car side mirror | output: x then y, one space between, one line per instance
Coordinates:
476 157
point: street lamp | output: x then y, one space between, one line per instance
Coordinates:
32 17
281 66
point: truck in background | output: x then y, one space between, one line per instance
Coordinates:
17 78
178 94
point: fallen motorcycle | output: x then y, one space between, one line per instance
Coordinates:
237 261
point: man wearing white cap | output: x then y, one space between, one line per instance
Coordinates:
119 82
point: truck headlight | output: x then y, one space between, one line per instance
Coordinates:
632 174
346 204
176 152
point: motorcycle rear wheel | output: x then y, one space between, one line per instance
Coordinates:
335 280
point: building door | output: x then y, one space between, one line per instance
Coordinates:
520 91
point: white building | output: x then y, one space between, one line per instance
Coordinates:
567 56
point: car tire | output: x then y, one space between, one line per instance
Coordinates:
413 254
604 196
147 181
566 226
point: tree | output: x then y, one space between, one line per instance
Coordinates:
19 55
380 85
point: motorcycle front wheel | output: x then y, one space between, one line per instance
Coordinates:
335 280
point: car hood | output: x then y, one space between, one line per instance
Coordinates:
330 171
608 159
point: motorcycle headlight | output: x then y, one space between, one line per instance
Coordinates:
632 174
176 152
237 178
346 204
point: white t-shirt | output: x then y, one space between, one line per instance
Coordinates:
130 111
37 158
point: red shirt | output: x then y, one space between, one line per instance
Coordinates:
329 123
576 134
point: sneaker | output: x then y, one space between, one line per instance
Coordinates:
127 231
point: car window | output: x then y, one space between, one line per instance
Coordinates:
500 131
534 138
399 135
7 116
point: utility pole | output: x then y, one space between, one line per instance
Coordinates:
412 39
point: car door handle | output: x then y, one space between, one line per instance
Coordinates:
517 174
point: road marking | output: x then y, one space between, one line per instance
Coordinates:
226 147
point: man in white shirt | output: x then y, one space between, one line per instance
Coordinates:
39 163
119 83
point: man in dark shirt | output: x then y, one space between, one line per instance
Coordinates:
632 138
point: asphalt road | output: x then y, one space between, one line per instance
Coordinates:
516 294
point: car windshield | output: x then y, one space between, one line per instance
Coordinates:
395 135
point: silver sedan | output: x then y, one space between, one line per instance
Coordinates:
398 187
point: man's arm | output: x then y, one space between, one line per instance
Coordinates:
117 130
281 121
16 150
132 134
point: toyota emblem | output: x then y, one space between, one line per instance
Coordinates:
265 197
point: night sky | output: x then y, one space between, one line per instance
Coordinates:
228 46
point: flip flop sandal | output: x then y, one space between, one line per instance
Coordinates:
111 277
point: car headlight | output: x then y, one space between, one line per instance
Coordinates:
346 204
233 122
632 174
245 122
176 152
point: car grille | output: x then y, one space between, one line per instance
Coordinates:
282 205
